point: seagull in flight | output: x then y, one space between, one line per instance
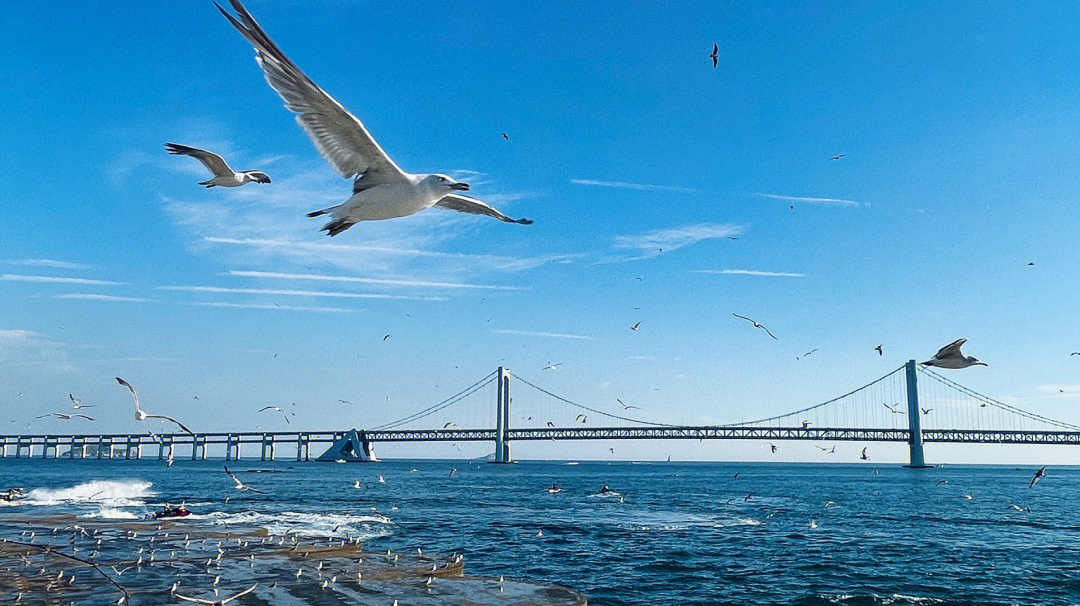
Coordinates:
772 447
951 357
715 55
76 403
277 409
755 323
381 190
926 411
218 602
626 406
636 326
838 156
1040 474
1016 507
64 417
240 485
223 175
551 366
863 455
891 409
879 351
141 415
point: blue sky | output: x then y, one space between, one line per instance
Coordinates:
958 124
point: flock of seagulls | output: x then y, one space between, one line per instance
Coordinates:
380 188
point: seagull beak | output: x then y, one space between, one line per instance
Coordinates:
460 186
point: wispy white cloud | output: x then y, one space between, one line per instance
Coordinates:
53 263
636 186
294 293
18 346
320 251
56 280
97 297
358 280
750 272
531 333
820 201
273 307
1061 388
658 241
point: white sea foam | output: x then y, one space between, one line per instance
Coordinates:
305 524
115 493
110 513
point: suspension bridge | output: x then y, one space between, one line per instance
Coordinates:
912 404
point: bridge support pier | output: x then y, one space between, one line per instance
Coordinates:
134 443
232 447
166 444
267 448
3 448
303 447
198 448
502 417
21 443
50 444
916 459
101 446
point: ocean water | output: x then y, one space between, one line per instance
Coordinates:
676 533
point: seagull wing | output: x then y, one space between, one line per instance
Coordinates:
83 416
770 333
950 349
215 163
338 135
233 477
465 204
240 595
743 318
168 418
134 394
269 408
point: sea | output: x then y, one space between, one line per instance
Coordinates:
664 533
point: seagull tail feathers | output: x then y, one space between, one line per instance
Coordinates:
319 213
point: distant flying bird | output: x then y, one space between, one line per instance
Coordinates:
626 406
809 352
76 403
581 418
386 336
940 482
715 55
141 415
218 602
891 409
551 366
240 485
276 409
550 424
926 411
838 156
1075 353
381 190
636 326
755 323
223 175
813 524
453 470
1019 508
863 455
951 357
878 350
1040 474
505 137
772 447
826 450
64 417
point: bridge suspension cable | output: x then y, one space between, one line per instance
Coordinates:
434 408
1000 406
588 408
821 405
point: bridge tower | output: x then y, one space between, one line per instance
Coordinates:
915 442
502 417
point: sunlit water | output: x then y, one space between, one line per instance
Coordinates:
679 534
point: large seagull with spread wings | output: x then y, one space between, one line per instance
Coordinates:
381 190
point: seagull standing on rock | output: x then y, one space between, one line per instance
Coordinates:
381 190
951 357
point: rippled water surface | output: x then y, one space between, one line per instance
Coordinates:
674 534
